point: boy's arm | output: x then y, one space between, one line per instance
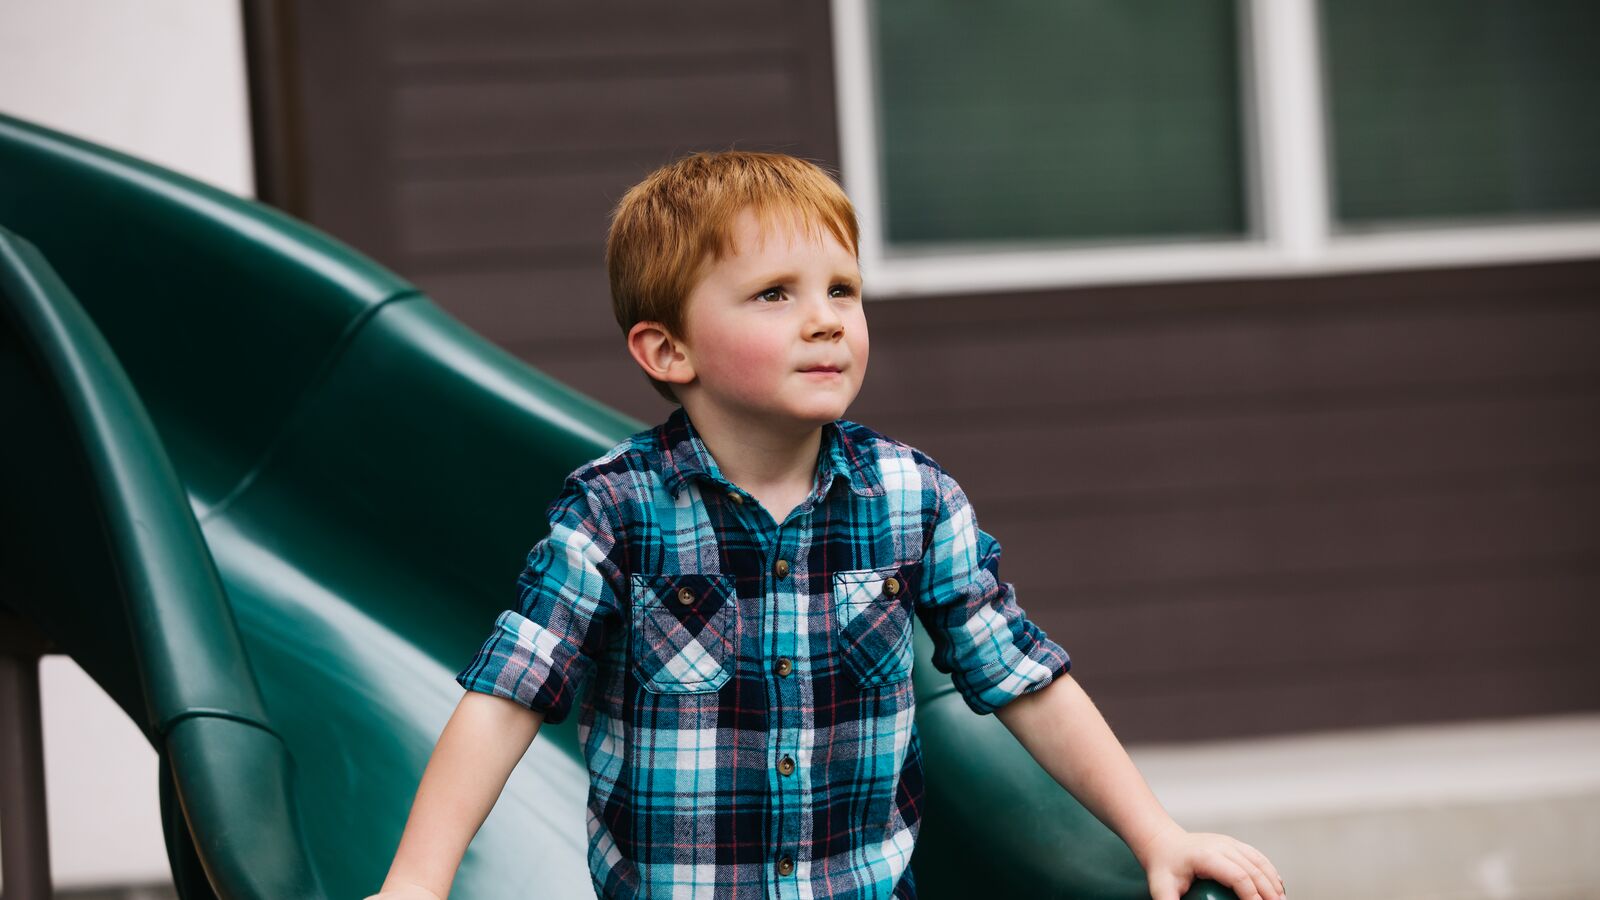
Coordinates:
1064 731
474 757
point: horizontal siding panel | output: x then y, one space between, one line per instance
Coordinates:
478 31
1304 698
746 106
516 306
555 212
1330 624
1468 290
1003 373
1514 518
1264 448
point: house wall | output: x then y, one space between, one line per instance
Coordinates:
1245 506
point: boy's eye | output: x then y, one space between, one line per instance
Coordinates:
842 290
771 293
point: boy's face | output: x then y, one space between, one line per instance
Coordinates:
775 330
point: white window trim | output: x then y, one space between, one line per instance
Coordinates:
1286 172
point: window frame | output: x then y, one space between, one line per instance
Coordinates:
1287 179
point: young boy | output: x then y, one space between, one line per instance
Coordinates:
728 598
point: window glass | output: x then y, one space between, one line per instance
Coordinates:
1461 109
1029 120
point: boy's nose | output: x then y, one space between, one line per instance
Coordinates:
824 321
833 330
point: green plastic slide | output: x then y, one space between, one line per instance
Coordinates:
271 498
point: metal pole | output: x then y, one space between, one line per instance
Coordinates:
25 847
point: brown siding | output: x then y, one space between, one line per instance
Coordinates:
1245 507
1275 505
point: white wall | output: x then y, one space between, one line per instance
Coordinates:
163 80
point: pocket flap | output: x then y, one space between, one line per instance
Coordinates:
873 609
685 630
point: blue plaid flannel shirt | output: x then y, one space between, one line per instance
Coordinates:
744 696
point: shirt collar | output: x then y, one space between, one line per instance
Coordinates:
684 456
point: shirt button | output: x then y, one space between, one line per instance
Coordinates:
782 568
892 585
785 865
685 596
736 498
786 766
785 666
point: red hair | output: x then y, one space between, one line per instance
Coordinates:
669 227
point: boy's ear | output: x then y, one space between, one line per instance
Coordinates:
660 354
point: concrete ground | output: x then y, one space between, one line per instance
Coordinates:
1476 811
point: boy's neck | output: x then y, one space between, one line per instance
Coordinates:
762 459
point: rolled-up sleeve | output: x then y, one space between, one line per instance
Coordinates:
541 653
981 637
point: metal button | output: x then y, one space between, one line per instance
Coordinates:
685 596
891 585
786 766
782 568
785 667
785 865
736 498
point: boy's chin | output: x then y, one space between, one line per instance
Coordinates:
814 416
821 420
821 413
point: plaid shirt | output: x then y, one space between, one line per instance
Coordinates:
749 724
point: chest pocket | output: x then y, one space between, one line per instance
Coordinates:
872 609
685 632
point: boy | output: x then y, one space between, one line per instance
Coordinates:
740 583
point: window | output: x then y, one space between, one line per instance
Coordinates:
1451 110
1031 143
1058 119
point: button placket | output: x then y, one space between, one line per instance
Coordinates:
787 716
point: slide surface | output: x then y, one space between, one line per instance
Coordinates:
271 498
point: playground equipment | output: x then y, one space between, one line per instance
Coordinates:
270 497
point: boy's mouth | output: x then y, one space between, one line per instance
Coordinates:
834 369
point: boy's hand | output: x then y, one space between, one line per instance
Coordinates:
1174 858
